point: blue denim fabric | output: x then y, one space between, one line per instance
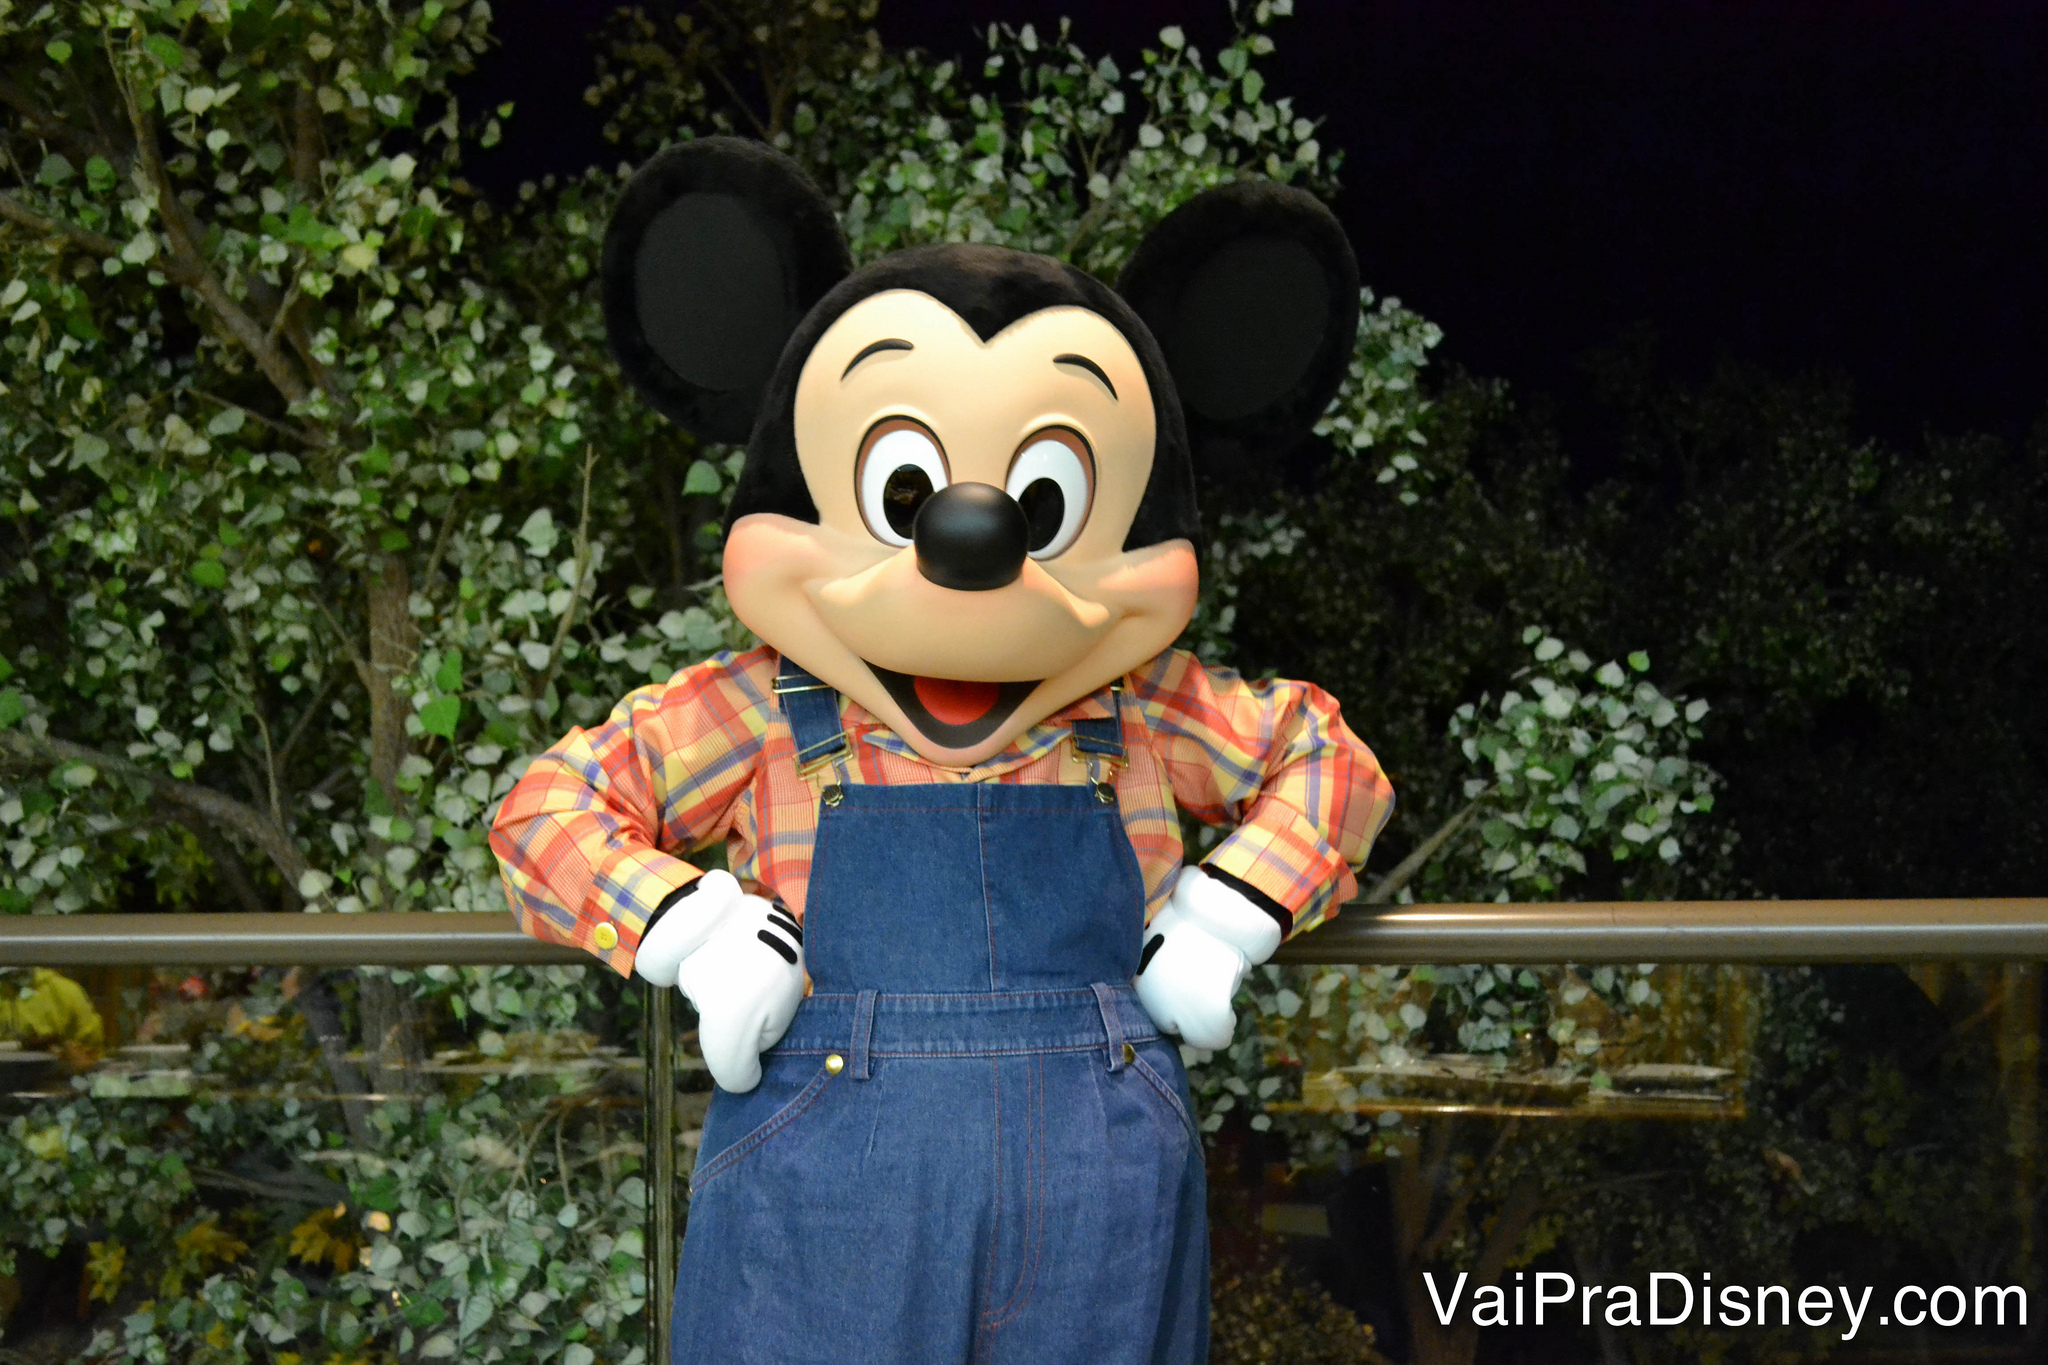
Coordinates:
972 887
1004 1168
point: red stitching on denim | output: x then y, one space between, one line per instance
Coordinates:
769 1127
1173 1101
1034 1208
986 1345
988 917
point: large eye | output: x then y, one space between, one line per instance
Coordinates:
1053 480
900 466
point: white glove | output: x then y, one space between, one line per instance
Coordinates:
740 960
1209 935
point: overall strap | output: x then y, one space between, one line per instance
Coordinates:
1104 737
812 708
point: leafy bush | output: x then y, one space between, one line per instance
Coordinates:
1585 761
322 510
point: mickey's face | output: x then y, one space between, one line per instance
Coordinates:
965 577
968 498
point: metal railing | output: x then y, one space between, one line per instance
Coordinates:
2009 930
1958 930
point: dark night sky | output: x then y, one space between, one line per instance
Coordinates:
1859 186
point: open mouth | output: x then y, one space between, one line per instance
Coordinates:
958 715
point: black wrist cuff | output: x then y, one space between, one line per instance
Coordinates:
1282 916
666 901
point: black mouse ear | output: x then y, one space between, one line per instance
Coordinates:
1252 292
717 249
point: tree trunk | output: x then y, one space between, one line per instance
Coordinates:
323 1015
1412 1177
392 1028
1592 1269
1416 1178
394 641
393 1034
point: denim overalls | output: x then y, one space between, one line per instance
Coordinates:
972 1145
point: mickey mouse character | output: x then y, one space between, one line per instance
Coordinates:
949 781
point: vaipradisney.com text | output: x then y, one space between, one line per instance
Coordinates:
1670 1299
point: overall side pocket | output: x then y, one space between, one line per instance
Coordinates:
752 1139
1168 1090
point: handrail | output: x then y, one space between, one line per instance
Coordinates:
1953 930
376 939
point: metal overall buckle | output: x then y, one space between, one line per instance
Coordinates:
1102 764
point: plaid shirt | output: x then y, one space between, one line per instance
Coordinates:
590 834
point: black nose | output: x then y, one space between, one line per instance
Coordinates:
971 536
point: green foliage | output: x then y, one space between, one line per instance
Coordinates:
499 1220
1592 760
304 554
1037 145
486 1249
215 531
322 509
1590 757
1875 1142
72 1165
1840 601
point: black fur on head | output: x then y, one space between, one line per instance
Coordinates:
723 265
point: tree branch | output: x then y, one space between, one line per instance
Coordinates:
282 315
1404 872
306 143
1085 226
736 31
184 239
1520 1209
15 211
394 642
456 503
286 314
271 775
576 588
1454 1216
313 1190
345 640
306 717
222 809
322 1013
281 428
227 862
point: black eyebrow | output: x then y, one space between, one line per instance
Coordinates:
875 348
1085 363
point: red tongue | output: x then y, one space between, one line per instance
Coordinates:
956 703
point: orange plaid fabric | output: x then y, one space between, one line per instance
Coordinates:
594 832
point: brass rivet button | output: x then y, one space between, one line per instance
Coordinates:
1105 793
1130 1054
834 794
835 1064
605 937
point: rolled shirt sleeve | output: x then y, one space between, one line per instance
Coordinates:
1275 759
588 840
